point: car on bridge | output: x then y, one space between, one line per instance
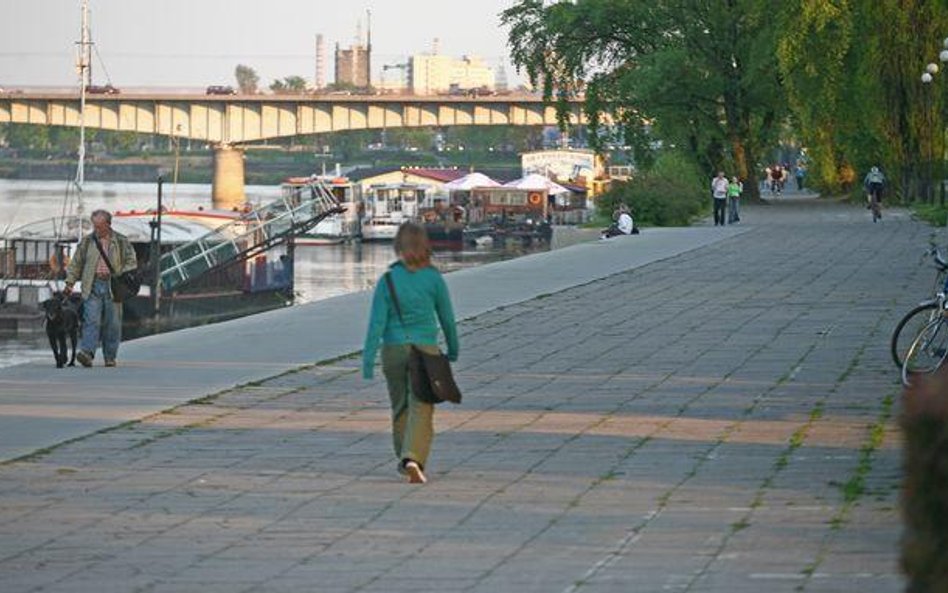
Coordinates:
102 89
217 89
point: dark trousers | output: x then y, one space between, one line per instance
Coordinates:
720 205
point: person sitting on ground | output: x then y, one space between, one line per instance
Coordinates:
623 225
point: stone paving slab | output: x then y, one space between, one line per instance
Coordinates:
686 425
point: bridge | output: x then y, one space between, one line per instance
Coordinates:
230 121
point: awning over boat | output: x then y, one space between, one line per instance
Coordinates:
537 182
470 181
53 229
175 229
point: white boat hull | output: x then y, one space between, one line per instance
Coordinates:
379 230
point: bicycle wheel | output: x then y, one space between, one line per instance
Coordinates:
909 327
928 351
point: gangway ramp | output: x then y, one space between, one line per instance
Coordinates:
251 234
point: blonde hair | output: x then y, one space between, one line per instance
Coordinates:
411 245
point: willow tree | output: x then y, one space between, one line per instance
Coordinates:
852 71
697 74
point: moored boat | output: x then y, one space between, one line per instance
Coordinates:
388 205
343 227
198 266
34 260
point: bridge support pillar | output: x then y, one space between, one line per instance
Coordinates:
227 191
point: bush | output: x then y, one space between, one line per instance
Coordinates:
672 193
933 214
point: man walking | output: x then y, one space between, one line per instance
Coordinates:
719 194
102 317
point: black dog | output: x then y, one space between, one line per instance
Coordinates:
62 320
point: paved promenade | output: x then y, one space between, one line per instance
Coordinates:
717 413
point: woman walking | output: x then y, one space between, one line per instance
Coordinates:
734 190
425 304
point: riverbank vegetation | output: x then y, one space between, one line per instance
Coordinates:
42 152
670 193
737 85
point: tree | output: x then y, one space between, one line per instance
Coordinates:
857 98
697 75
247 79
289 85
28 137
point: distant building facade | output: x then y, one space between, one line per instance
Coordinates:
434 74
353 65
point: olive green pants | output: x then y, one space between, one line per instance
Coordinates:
412 420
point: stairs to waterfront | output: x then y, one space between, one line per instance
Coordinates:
253 233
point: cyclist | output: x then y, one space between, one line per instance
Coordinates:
874 183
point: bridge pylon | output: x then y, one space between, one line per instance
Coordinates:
227 190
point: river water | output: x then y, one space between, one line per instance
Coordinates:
320 271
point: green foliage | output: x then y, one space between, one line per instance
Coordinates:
26 136
289 85
672 193
852 73
934 214
247 79
699 76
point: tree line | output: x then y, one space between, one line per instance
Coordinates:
726 82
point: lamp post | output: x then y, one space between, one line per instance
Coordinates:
943 58
927 77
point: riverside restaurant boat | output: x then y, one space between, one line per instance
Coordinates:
343 227
388 205
511 214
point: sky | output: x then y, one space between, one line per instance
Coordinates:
196 43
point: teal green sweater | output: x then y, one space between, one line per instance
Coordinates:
423 297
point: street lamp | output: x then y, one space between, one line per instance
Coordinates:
927 78
943 58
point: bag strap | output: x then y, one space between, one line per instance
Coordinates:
392 293
102 253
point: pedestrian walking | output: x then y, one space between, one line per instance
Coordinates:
776 177
800 174
425 305
101 315
719 197
734 190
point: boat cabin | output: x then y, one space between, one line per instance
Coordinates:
388 205
503 204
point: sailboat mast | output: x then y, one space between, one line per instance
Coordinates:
83 66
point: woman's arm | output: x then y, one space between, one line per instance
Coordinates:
373 335
446 318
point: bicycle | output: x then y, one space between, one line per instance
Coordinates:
913 322
929 350
875 200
